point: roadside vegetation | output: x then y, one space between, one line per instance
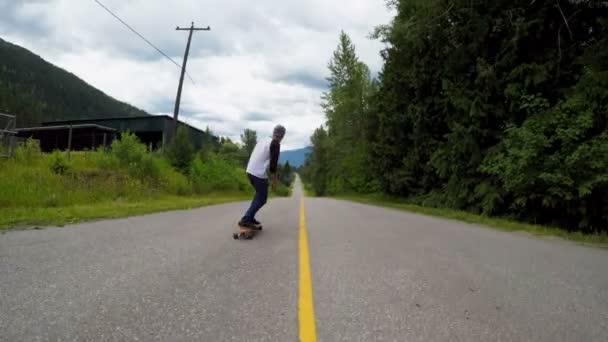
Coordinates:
504 224
56 188
494 109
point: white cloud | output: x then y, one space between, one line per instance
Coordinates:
262 63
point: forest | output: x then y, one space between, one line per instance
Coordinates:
497 108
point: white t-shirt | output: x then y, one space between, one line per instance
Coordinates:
264 153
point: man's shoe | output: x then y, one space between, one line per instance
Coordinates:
250 225
257 224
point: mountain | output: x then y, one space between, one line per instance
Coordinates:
38 91
295 157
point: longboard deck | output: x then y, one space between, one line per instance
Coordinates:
246 233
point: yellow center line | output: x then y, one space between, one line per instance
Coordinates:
306 313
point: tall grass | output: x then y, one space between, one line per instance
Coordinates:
598 239
217 173
126 172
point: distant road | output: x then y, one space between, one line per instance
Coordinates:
376 274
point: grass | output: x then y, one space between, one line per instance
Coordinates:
40 189
307 190
600 240
51 189
281 191
13 217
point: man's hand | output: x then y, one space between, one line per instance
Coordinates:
274 182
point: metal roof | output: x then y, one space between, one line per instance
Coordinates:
59 127
115 118
124 118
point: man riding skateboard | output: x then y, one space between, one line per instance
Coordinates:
266 153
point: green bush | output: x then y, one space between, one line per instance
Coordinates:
282 190
129 151
59 163
125 172
180 151
217 174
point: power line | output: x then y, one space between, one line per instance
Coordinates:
142 37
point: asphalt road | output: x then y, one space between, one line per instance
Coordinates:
377 275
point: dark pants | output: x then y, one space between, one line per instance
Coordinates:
259 199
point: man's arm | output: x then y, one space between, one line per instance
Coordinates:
275 150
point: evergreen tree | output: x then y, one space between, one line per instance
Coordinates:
249 139
492 107
180 151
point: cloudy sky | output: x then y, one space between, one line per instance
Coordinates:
263 62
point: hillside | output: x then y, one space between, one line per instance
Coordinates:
38 91
295 157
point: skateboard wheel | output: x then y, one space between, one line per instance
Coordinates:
235 236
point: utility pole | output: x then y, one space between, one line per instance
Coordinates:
181 78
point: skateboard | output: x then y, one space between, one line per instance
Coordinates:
246 233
